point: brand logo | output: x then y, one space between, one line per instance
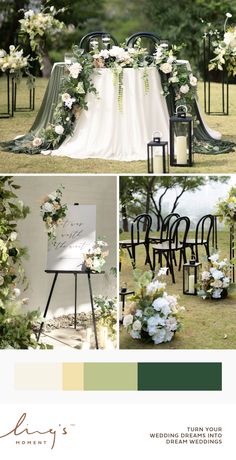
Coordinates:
26 435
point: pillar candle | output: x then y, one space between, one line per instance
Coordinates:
157 164
181 150
191 284
120 311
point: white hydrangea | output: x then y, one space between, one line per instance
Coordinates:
160 303
159 336
216 274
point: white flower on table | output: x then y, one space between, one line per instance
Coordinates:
75 69
166 67
192 80
128 320
184 89
59 130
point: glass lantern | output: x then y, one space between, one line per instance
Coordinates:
157 155
181 138
191 277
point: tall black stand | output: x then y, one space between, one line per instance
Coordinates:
30 107
207 56
75 273
231 245
10 97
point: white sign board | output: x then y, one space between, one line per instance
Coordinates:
75 235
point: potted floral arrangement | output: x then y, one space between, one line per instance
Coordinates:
106 313
94 258
152 314
215 279
53 212
227 208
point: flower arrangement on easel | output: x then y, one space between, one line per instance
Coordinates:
53 212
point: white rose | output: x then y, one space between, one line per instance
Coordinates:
138 313
48 207
166 67
104 54
193 80
59 130
127 321
75 69
13 236
12 48
184 89
69 102
160 303
137 325
37 142
65 97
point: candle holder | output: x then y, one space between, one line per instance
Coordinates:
191 271
181 138
157 155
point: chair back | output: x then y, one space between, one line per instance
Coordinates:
204 229
178 233
166 225
148 36
140 222
86 40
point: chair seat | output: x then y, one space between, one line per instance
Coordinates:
129 242
165 246
193 241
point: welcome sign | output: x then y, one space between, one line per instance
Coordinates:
75 236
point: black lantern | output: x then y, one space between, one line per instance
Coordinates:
157 155
190 277
123 293
181 138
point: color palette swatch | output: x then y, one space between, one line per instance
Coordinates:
119 376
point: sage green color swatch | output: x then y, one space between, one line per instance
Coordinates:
110 376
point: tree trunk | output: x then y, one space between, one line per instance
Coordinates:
124 218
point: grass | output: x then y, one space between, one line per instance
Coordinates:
21 163
207 324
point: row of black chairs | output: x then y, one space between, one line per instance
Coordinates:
173 239
130 42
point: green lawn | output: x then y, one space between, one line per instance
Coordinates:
207 324
21 163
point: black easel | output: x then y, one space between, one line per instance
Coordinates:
75 273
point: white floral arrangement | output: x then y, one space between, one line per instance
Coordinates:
94 258
53 212
39 24
152 315
225 50
215 279
226 209
14 61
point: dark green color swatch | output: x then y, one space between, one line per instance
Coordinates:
179 376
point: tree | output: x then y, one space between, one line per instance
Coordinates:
9 17
148 194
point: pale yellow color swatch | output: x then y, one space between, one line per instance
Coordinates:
38 376
73 376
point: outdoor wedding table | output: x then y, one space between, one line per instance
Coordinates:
109 129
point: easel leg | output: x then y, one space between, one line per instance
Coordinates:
47 306
75 322
93 313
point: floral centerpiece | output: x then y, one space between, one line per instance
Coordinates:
40 24
152 315
227 208
94 258
53 212
16 64
106 313
215 279
225 50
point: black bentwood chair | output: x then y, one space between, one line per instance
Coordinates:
144 221
174 244
151 37
104 40
204 231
